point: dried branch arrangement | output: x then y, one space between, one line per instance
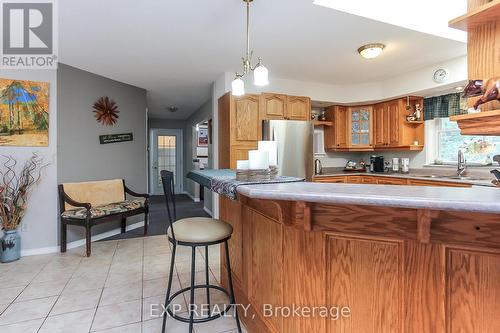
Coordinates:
15 188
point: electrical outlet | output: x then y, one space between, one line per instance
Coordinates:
24 227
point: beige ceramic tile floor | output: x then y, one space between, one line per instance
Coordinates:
110 292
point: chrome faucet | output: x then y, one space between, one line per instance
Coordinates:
461 164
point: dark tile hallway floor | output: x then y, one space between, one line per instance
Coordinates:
158 219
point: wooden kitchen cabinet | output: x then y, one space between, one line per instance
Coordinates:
273 106
381 125
336 135
360 128
393 131
330 179
391 181
383 180
298 108
239 128
245 123
278 106
352 128
240 121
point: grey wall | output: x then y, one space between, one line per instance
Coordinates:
79 154
204 113
39 228
166 123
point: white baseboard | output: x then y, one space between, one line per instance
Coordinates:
191 196
80 242
208 211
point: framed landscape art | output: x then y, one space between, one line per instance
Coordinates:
24 113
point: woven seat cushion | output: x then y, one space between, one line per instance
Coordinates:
104 210
200 230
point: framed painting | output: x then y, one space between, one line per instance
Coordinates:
203 136
24 113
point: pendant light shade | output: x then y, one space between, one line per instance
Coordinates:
261 76
238 87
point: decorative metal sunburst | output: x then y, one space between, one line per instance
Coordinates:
106 111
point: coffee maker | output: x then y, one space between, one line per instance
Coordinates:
377 163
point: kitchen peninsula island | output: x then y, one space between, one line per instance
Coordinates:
400 258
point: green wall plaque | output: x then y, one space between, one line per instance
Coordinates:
113 138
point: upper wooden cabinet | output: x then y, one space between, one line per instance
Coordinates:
273 106
245 122
360 128
336 135
240 121
381 125
239 128
388 128
352 130
278 106
298 108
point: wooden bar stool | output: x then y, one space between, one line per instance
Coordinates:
195 232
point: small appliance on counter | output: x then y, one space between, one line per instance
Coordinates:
317 167
395 164
354 166
377 163
405 165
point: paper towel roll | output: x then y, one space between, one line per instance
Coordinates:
258 159
272 148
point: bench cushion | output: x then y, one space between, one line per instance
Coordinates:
97 193
104 210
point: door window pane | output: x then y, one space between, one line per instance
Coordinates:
166 155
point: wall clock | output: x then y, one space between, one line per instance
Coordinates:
440 75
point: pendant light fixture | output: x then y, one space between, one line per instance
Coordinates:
260 72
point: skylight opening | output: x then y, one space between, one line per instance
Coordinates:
427 16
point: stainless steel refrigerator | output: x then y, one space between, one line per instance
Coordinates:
295 146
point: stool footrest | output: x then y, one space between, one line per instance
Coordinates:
198 320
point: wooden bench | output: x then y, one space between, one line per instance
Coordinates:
86 204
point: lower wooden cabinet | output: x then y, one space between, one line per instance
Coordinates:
418 182
383 180
367 259
391 181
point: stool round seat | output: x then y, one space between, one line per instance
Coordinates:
200 230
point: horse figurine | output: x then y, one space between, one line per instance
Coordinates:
488 92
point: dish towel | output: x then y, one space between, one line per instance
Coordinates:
228 185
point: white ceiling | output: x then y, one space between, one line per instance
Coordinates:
176 49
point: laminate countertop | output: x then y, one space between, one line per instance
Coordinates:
429 175
474 199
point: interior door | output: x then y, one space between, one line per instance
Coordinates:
166 154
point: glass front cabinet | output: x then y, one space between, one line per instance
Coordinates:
360 125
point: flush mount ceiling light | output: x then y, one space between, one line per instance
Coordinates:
260 72
172 108
370 51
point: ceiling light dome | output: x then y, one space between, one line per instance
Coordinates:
370 51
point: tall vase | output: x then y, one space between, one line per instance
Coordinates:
10 246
